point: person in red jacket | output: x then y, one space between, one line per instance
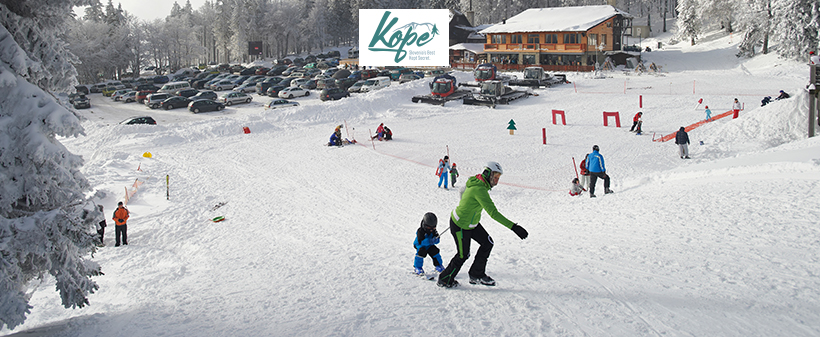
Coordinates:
635 120
120 220
379 132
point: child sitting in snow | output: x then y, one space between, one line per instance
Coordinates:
576 188
425 243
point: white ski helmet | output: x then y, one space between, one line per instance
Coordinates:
488 172
494 167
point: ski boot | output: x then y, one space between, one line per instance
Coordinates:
447 285
419 271
439 268
484 280
607 191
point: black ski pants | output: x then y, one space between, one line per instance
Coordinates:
121 231
593 178
462 238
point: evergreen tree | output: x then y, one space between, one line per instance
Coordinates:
798 23
689 24
46 224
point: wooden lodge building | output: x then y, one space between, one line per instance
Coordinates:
557 38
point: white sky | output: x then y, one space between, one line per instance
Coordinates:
146 9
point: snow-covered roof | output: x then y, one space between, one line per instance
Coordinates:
556 19
477 48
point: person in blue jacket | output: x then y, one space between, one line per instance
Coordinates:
597 169
425 243
336 137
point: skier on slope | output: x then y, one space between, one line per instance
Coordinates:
465 226
425 243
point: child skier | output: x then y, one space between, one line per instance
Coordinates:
425 243
708 114
576 188
443 170
453 175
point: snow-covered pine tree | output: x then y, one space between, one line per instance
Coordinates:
689 25
46 224
798 23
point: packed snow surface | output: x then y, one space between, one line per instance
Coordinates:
318 240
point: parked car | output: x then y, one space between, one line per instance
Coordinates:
139 120
82 89
357 75
187 92
249 71
356 87
234 97
298 82
153 100
345 83
293 91
333 94
205 105
309 85
175 102
204 95
434 73
97 88
375 83
277 70
223 85
274 90
81 102
325 83
146 86
280 103
117 95
200 84
142 95
161 79
262 71
246 87
109 90
404 78
128 97
290 70
262 86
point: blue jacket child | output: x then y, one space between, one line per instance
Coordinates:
425 243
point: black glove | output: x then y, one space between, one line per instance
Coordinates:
121 220
520 231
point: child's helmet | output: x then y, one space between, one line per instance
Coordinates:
454 164
429 221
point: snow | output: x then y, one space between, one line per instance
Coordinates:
556 19
317 240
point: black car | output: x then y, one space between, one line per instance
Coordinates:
205 105
262 87
277 70
187 92
333 94
175 102
249 71
81 102
200 83
82 89
309 85
346 82
204 95
274 90
139 120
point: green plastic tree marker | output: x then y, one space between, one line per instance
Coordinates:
511 127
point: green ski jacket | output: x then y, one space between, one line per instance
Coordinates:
476 197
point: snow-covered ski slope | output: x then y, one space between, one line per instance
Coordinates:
318 240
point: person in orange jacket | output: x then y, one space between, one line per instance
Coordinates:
121 215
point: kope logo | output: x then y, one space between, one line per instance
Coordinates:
395 37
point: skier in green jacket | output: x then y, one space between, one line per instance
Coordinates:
465 226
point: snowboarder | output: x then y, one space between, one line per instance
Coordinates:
576 187
783 95
682 139
736 108
102 224
597 169
121 215
443 171
635 120
425 243
465 225
708 114
453 175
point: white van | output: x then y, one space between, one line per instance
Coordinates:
171 88
375 84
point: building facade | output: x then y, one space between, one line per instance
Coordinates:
559 36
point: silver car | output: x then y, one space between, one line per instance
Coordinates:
234 97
